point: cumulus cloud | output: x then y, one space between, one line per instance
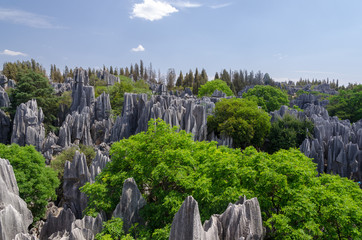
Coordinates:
25 18
140 48
12 53
152 10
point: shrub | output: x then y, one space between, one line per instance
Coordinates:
208 88
268 97
240 119
36 182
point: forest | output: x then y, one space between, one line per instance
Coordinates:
74 137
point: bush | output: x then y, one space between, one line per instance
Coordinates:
113 229
36 182
33 85
68 154
268 97
240 119
208 88
288 132
347 104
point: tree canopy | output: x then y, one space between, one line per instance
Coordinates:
288 132
209 87
268 97
240 119
36 182
34 85
168 166
347 104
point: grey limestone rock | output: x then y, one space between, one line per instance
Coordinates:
186 224
336 146
6 83
54 224
50 146
218 94
80 229
4 127
130 204
188 114
22 236
239 221
110 79
4 98
15 217
82 93
102 107
284 110
28 125
98 163
76 174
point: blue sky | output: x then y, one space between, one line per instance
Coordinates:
288 39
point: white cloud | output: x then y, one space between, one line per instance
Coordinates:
220 5
25 18
152 10
186 4
140 48
12 53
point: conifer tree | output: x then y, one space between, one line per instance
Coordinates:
180 80
142 72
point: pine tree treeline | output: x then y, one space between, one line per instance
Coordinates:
10 70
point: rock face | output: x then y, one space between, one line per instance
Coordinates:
110 79
66 227
15 217
4 127
336 145
28 125
130 204
239 221
6 83
76 174
4 98
304 100
189 114
89 119
82 93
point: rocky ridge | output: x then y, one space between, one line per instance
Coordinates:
239 221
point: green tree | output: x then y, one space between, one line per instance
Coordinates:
36 182
267 97
168 166
33 85
180 80
208 88
113 229
240 119
347 104
288 132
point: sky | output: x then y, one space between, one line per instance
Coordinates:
289 39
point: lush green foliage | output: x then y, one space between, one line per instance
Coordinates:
347 104
68 154
113 229
168 166
240 119
208 88
33 85
288 132
268 97
36 182
11 70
